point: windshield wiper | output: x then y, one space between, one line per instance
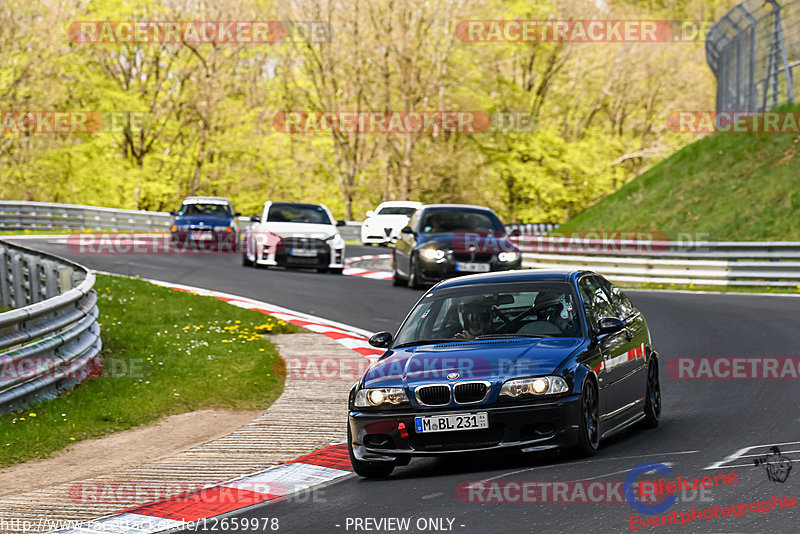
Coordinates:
425 342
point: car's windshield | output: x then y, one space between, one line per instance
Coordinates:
204 210
297 213
396 210
497 310
454 220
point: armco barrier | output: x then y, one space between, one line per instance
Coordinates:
697 262
25 215
50 338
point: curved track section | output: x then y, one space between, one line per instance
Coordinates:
709 427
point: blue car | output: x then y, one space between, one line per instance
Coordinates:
527 360
206 222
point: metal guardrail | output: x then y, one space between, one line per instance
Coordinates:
753 50
24 215
700 262
50 340
18 215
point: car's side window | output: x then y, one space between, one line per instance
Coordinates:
595 301
622 305
414 221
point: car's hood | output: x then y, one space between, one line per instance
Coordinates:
494 360
289 229
196 220
389 221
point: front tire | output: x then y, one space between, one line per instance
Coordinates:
652 405
337 270
413 275
367 469
397 280
589 428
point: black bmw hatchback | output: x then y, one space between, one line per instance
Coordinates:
446 240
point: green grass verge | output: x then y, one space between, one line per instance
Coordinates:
732 186
165 352
712 288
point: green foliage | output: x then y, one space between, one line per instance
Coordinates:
599 108
731 186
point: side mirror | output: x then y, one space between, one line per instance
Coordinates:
255 218
173 212
370 213
341 223
237 213
407 230
381 340
609 325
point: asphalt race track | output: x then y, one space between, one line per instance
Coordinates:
703 421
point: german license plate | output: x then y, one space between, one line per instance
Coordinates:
449 423
473 267
202 236
303 252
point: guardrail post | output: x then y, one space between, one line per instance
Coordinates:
18 279
5 284
34 279
51 275
65 279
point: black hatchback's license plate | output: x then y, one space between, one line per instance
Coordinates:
449 423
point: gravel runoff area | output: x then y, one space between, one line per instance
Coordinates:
286 430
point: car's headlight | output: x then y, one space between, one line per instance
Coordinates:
433 254
540 385
374 397
335 240
508 256
226 229
180 228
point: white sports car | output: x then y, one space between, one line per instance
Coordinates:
384 224
291 234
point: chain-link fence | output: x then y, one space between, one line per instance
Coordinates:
753 50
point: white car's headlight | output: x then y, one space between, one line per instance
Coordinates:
433 254
335 240
540 385
373 397
508 256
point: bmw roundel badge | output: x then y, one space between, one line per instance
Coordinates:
452 376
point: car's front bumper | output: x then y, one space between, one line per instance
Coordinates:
536 426
330 259
433 271
210 240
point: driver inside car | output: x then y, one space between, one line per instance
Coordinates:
476 317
